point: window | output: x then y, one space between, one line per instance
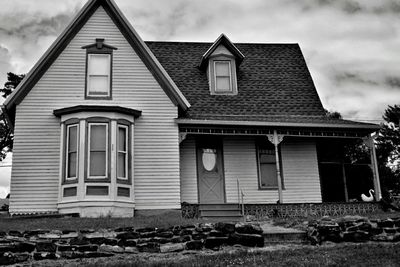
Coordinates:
99 75
98 150
267 173
223 79
71 152
122 152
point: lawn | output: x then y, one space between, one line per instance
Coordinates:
369 254
74 223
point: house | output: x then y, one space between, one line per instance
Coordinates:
107 124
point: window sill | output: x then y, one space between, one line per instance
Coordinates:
270 188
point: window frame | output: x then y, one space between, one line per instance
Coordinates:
90 57
129 166
126 151
216 76
70 180
259 146
212 77
67 152
107 177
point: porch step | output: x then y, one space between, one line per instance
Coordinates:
220 212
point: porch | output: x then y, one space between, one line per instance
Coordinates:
275 165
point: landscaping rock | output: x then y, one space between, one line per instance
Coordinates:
30 233
128 235
78 242
212 242
390 230
180 239
15 233
21 257
248 229
72 254
125 229
388 223
93 235
64 247
97 254
172 247
194 245
216 233
165 234
199 236
149 247
186 232
226 228
96 240
45 256
70 235
161 240
7 258
248 240
8 247
356 236
46 246
83 248
146 229
148 234
49 236
26 247
113 249
127 243
131 250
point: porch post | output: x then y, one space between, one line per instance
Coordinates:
276 139
374 167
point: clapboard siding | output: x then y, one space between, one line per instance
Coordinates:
189 191
37 131
300 169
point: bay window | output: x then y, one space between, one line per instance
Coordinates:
122 152
71 152
98 150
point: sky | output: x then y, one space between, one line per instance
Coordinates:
352 47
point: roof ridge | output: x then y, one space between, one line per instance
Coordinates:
199 42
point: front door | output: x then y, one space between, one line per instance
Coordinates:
210 173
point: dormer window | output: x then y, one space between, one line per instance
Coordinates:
223 76
221 62
98 70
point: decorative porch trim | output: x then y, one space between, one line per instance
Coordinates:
369 141
263 131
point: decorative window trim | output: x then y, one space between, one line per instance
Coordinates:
99 47
212 77
259 145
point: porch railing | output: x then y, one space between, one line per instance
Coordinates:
240 199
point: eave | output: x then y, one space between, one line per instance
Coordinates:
96 108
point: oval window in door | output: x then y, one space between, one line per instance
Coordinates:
209 158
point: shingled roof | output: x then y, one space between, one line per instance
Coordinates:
274 84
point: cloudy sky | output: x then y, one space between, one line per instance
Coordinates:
352 47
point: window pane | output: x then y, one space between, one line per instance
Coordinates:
98 85
72 140
98 137
268 175
99 64
71 164
97 164
121 165
121 139
222 68
223 84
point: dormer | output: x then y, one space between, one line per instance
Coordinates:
221 62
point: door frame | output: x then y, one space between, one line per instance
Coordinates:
216 142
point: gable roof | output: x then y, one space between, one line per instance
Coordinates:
274 86
69 33
222 40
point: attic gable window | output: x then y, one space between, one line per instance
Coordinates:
98 70
223 76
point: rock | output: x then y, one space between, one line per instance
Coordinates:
128 235
199 236
83 248
388 223
207 227
176 229
110 241
216 233
180 239
45 246
165 234
8 247
390 230
131 250
26 247
125 229
127 243
376 231
87 231
15 233
64 247
78 242
93 235
21 257
49 236
188 226
397 222
7 258
143 240
149 247
72 254
226 228
70 235
172 247
161 240
148 234
242 228
249 240
313 235
30 233
356 236
113 249
186 232
194 245
45 256
3 234
147 229
212 242
96 240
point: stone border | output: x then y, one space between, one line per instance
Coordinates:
16 246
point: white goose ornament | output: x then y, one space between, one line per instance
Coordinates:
370 198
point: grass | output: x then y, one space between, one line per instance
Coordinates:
370 254
163 220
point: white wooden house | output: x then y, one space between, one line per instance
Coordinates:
106 123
